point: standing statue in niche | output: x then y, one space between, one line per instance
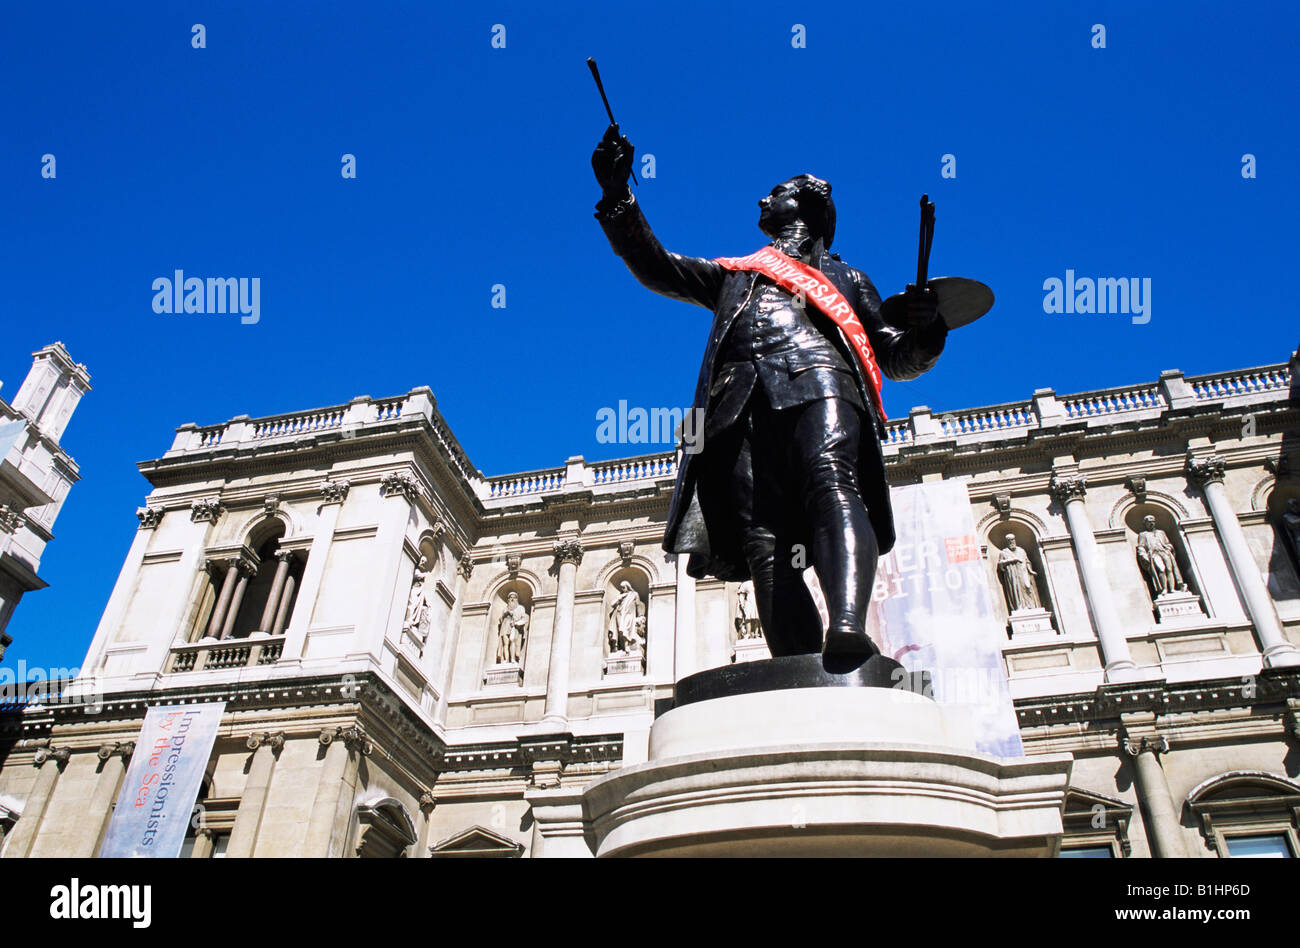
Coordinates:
1156 557
1291 530
626 628
1018 577
747 625
417 603
511 629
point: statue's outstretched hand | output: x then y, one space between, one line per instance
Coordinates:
612 161
922 305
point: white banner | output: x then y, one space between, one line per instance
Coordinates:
162 781
931 610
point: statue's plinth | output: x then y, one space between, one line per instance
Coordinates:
776 758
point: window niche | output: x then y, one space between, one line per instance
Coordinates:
418 617
508 633
1283 514
1161 555
1248 813
1021 579
626 611
243 595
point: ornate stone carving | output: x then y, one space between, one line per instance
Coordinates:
625 628
568 551
208 509
1155 554
1138 485
465 565
1068 488
399 483
1156 744
59 755
1208 470
625 550
747 624
123 749
271 503
273 740
11 519
1002 504
1019 579
150 517
334 492
512 631
427 800
1279 466
513 562
417 602
353 737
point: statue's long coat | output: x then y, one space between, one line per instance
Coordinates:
711 537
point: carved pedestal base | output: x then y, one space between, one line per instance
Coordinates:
1030 622
507 673
619 664
1178 606
750 650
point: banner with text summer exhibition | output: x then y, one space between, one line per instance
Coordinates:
162 781
931 610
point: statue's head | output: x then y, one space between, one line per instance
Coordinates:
804 198
512 598
1148 522
625 586
1011 541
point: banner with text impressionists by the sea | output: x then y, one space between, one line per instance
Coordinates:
162 781
931 610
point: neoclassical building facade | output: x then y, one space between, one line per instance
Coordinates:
420 660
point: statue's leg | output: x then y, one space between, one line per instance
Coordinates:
825 455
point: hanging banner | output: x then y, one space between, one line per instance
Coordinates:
931 610
162 781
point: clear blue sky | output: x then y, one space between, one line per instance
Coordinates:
473 170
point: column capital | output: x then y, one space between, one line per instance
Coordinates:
353 737
207 509
59 755
568 551
1139 744
123 749
150 517
1066 487
285 556
273 740
334 491
1207 470
11 519
399 483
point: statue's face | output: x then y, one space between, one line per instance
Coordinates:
512 598
778 209
1011 541
1149 523
624 586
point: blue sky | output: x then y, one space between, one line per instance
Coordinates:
473 170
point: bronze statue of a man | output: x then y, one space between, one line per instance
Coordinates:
790 472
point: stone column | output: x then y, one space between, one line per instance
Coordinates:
107 785
282 612
218 620
400 491
1069 491
558 828
1207 473
684 647
246 571
568 554
451 639
1158 812
49 762
344 749
284 561
248 819
333 494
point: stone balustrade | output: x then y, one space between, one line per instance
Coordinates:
235 653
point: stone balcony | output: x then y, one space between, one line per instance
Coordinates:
210 654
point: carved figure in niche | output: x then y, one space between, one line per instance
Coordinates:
626 628
417 603
747 625
1018 577
511 629
1156 557
1291 529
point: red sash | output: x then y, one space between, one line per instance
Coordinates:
800 278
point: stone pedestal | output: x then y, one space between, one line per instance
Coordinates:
1026 622
1178 606
506 673
835 767
750 650
624 664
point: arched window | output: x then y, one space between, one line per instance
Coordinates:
247 595
384 830
1249 813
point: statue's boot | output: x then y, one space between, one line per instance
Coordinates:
845 554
